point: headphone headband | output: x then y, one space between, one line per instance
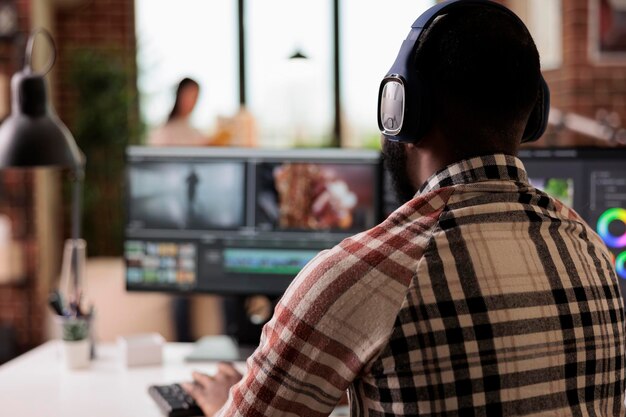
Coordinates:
427 18
403 99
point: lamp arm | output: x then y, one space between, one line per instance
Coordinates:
77 192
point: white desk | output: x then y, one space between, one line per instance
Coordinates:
37 384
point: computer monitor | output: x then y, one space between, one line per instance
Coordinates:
241 221
593 183
245 221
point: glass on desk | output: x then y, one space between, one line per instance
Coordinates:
73 282
76 323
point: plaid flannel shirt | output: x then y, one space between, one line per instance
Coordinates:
482 296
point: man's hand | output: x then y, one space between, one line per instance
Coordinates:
211 392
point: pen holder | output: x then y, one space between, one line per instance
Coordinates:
76 341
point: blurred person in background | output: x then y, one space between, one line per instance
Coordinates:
177 131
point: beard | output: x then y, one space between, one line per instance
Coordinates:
394 159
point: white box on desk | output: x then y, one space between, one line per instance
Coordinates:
141 349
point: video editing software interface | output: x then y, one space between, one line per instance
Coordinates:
247 221
241 221
593 182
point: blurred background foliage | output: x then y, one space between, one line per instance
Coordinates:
103 125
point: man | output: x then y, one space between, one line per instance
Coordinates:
479 296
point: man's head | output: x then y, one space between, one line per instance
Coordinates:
482 69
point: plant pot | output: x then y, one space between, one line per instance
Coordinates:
76 354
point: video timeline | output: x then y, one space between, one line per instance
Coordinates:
266 261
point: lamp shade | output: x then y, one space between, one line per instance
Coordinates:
33 135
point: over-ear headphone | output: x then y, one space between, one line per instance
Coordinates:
403 98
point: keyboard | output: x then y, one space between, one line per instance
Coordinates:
174 401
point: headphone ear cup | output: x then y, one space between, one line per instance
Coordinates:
538 120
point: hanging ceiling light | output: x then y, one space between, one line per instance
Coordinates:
298 55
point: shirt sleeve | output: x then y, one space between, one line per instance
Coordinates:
334 319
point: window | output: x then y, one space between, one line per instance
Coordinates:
544 21
370 40
187 38
290 98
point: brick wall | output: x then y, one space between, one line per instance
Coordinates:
108 24
582 85
100 32
23 318
11 51
88 23
17 314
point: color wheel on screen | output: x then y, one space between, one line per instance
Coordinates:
608 217
611 240
620 265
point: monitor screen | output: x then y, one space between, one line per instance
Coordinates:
186 195
593 183
315 196
241 221
607 209
560 187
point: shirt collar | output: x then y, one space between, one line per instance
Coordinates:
481 168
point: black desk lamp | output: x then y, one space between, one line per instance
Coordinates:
33 136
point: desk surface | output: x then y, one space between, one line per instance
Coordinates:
37 384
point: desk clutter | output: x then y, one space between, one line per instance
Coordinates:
74 315
141 349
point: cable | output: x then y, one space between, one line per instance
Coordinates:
28 63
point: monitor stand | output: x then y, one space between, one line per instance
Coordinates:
219 348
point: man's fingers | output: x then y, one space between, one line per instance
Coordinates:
209 392
228 369
192 389
202 379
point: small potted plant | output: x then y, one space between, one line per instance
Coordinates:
76 344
